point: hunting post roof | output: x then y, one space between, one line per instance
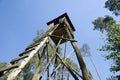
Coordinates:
56 20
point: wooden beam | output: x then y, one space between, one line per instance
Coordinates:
68 67
10 67
33 45
27 51
35 76
51 58
19 58
54 71
64 59
63 38
85 72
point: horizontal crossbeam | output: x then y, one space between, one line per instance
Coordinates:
63 38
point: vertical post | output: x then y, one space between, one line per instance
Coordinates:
85 72
55 65
47 61
51 58
40 64
64 58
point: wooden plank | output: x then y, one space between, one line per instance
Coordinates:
26 51
33 45
10 67
19 58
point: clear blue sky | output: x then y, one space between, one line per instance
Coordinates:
20 19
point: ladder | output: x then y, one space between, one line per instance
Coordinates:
26 55
60 30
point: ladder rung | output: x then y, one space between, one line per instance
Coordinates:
26 51
19 58
9 67
39 40
33 45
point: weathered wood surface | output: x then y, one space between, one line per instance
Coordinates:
19 58
68 67
35 76
26 51
85 72
10 67
51 58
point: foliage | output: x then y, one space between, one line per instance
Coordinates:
85 49
103 23
112 41
114 78
3 65
72 64
112 35
114 6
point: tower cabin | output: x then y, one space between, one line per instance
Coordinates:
63 22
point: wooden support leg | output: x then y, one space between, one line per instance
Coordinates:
55 70
47 61
85 72
71 72
64 59
35 76
50 60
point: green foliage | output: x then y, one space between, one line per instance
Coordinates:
114 6
3 65
103 23
72 64
114 78
112 41
39 34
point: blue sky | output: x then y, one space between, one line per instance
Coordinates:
20 19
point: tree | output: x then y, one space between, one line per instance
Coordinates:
114 6
85 49
113 78
112 40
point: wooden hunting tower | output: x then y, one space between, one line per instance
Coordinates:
60 30
63 22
